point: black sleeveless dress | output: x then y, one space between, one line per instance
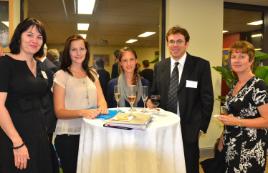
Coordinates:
24 100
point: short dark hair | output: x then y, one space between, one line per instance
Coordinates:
99 63
178 30
117 53
15 42
66 58
145 63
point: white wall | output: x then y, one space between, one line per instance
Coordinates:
204 22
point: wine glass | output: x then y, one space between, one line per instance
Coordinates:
131 95
144 96
116 96
223 110
156 101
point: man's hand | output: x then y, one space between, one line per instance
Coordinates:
150 105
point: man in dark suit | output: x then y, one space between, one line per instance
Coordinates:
49 68
104 76
115 67
193 96
147 73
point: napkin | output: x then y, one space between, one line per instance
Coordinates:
111 114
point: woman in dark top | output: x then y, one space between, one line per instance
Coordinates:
245 135
129 76
23 139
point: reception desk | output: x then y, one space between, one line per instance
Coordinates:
157 149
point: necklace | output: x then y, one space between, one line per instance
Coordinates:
85 83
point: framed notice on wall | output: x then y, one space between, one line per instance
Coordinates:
4 24
104 57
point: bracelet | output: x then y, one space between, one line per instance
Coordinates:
17 147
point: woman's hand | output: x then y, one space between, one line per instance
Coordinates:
103 109
230 120
21 157
90 113
220 143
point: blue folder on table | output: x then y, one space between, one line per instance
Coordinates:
111 114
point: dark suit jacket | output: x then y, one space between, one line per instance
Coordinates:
115 70
195 103
148 74
49 65
104 77
47 101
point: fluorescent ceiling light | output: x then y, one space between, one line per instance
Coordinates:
131 40
258 22
6 23
82 26
258 49
146 34
224 31
84 35
85 6
256 35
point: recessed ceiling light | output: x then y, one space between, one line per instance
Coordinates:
84 35
256 35
85 6
224 31
146 34
82 26
131 40
5 23
258 22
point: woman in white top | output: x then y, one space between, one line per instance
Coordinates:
77 94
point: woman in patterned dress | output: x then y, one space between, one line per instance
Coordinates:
245 134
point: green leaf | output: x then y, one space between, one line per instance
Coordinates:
262 72
227 75
260 56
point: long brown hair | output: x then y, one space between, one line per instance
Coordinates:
136 73
66 58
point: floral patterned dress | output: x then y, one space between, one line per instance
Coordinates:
246 148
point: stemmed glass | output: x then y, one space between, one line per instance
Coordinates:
156 101
117 96
223 110
131 95
144 96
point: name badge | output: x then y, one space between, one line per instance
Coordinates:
191 84
44 74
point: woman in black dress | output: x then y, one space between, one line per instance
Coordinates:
245 136
23 140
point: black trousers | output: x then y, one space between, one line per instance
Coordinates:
191 154
67 149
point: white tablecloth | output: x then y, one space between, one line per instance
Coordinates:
158 149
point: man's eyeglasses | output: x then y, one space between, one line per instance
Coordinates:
178 42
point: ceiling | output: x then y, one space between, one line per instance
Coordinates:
115 21
112 23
